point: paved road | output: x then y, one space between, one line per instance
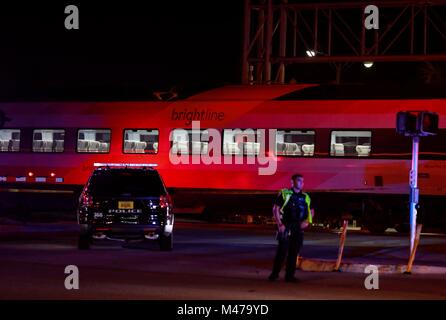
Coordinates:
208 262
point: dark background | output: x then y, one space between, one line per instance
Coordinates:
133 47
125 50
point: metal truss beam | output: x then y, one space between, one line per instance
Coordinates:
279 33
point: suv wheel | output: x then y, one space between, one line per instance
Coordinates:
84 240
166 242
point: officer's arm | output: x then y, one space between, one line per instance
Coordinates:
305 223
276 213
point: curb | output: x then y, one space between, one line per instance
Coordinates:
313 265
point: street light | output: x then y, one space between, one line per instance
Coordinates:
310 53
368 64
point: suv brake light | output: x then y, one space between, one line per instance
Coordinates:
164 202
86 200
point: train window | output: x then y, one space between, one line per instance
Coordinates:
351 143
9 140
187 141
48 140
295 143
93 140
240 142
141 141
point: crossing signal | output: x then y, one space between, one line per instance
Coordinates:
417 123
406 123
429 123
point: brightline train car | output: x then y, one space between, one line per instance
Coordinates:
342 139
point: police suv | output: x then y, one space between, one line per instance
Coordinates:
125 202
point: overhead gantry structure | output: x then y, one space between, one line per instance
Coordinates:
279 33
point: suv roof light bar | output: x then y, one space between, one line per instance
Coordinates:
99 164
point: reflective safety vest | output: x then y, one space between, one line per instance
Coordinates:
286 195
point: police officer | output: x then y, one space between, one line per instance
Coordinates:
293 212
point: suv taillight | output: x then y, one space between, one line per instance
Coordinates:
164 202
86 201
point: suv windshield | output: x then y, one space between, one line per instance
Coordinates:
133 183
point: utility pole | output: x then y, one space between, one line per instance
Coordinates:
278 33
416 124
414 191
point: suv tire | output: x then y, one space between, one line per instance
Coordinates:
84 239
166 242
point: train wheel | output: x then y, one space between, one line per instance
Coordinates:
376 228
402 227
376 219
334 224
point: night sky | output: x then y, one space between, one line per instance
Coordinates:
127 49
127 46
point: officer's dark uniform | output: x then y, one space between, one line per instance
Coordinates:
294 213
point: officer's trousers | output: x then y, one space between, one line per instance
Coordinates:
289 246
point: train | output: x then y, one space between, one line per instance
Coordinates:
230 149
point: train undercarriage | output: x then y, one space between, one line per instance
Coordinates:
373 212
